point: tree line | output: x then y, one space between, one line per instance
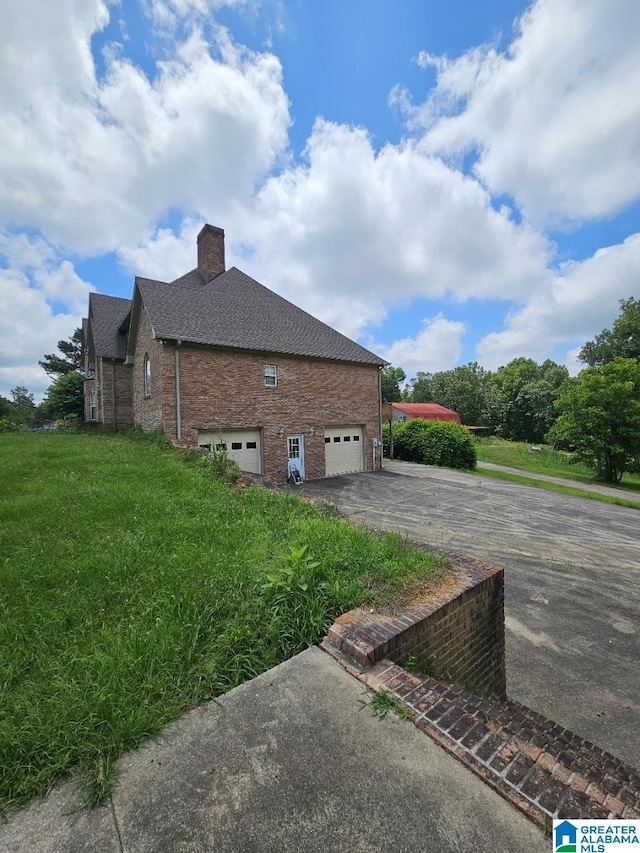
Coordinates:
64 398
595 414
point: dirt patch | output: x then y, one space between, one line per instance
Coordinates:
433 589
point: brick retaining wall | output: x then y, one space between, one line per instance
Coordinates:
457 635
546 771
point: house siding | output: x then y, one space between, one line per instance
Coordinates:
224 389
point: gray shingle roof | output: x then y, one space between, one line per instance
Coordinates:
106 315
234 310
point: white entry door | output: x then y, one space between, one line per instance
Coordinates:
295 454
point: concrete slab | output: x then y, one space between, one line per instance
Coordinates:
572 583
290 761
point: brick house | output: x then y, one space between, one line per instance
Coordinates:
214 358
107 387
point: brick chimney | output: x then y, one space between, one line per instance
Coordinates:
210 252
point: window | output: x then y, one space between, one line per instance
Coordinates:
236 445
221 445
347 438
251 445
356 438
93 409
327 439
270 375
147 375
336 439
294 447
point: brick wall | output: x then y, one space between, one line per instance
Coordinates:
112 387
122 375
115 393
211 252
100 390
225 390
147 411
89 387
458 635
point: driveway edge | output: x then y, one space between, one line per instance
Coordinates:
545 771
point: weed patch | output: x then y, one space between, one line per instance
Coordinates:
384 703
134 586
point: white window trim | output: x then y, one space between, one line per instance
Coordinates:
147 375
270 372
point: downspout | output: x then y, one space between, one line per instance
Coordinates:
113 393
380 411
177 375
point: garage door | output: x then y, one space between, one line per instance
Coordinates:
343 449
242 445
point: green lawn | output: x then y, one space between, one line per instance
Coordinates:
133 587
555 463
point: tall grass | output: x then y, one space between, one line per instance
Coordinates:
133 587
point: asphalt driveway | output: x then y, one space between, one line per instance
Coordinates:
572 581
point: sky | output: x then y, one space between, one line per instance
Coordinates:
442 182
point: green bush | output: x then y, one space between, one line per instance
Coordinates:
7 425
442 443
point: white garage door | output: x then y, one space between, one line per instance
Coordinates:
343 449
242 445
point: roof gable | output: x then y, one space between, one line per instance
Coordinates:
233 310
107 316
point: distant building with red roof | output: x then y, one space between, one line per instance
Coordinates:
426 411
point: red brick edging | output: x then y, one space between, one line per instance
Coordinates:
544 770
457 635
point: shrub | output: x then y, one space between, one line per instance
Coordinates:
217 463
442 443
7 425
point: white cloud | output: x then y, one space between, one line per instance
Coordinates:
353 230
93 162
163 254
28 330
171 12
578 303
555 118
42 301
436 347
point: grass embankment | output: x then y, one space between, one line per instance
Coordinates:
552 463
133 587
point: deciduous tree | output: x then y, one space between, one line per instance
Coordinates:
522 398
65 396
621 341
24 408
391 377
600 417
462 389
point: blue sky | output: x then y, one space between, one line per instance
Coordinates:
444 182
